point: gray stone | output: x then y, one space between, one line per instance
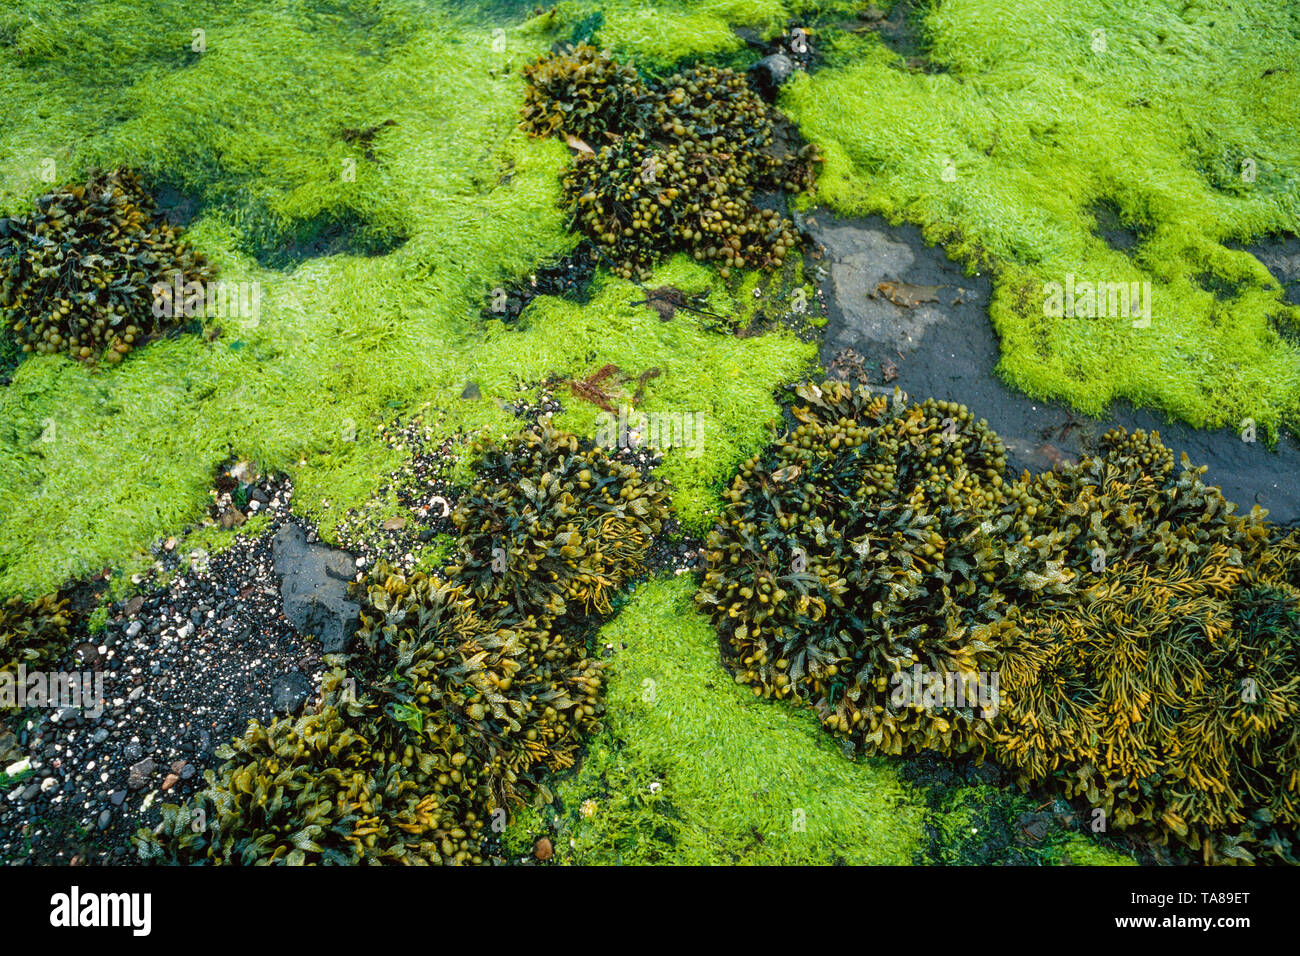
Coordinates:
860 259
289 692
105 818
314 587
769 73
141 773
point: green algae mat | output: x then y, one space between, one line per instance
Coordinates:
361 164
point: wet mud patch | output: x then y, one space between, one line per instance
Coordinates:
903 30
1223 289
902 314
329 234
178 207
1280 255
1112 226
567 278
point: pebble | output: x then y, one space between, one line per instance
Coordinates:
188 688
289 692
141 773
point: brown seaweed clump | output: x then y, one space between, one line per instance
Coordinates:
853 558
32 632
1164 688
689 164
77 274
462 694
1144 636
561 539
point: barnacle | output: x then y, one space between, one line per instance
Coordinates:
77 274
673 165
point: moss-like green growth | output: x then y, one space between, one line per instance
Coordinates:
1079 850
1007 139
695 770
82 273
659 37
250 135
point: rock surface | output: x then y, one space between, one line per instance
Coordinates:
947 349
289 692
769 73
314 587
141 773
